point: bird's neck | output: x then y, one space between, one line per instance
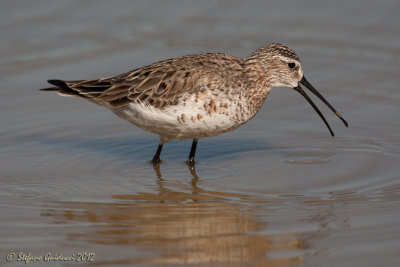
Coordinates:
257 85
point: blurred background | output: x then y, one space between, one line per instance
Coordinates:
279 191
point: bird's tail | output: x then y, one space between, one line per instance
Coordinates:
62 88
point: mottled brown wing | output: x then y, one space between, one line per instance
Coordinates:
148 85
159 84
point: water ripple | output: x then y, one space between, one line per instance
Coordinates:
18 193
308 157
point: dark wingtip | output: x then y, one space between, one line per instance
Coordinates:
48 89
58 83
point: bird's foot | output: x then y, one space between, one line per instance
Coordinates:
155 161
190 161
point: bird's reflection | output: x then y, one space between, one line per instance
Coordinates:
176 226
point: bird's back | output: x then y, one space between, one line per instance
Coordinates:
160 84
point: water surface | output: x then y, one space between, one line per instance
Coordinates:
279 191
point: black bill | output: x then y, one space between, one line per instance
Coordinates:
315 92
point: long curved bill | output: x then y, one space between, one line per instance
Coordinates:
315 92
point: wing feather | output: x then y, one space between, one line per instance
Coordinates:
159 84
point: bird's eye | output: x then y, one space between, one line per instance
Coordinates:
291 65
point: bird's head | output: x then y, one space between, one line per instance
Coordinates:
282 68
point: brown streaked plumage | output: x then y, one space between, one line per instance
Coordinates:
195 96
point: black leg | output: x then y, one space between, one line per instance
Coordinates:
156 159
190 160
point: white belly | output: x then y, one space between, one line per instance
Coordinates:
192 119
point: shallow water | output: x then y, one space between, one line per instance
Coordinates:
279 191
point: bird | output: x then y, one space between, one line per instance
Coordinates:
196 96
